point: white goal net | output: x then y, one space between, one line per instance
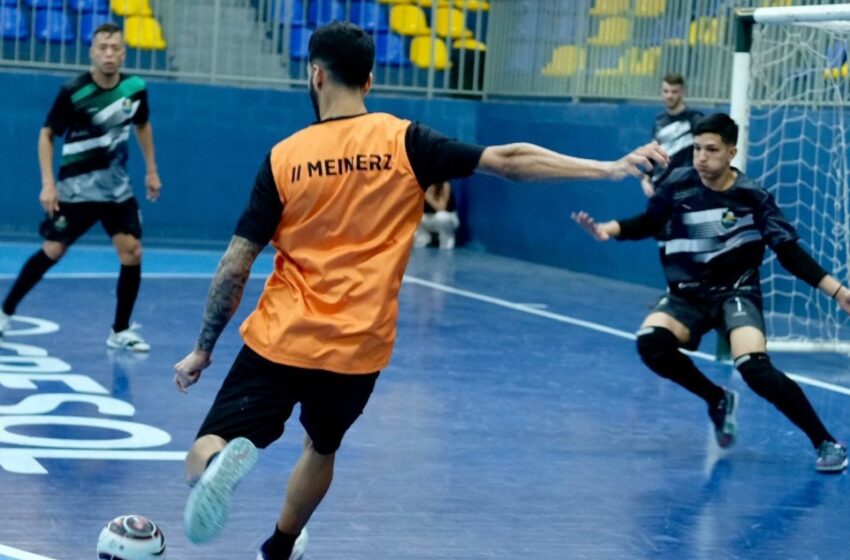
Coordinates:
798 149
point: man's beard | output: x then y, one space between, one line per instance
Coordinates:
314 99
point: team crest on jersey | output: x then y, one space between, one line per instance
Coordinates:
729 219
127 105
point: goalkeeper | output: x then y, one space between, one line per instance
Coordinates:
717 223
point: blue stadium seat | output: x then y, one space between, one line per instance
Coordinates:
10 3
54 26
293 12
369 15
45 4
13 23
89 21
86 6
390 50
322 12
298 42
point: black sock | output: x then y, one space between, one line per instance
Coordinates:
782 392
32 271
659 349
278 546
128 288
211 459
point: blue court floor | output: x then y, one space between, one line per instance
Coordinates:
515 421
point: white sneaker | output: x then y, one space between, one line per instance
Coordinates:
128 339
298 549
5 321
208 507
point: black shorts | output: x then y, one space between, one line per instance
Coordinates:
257 398
75 218
727 311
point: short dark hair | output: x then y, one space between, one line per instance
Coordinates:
674 79
109 28
346 50
721 124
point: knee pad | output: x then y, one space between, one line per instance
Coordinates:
759 374
658 347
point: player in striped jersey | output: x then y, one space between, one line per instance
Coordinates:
717 223
94 114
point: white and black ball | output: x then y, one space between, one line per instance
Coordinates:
131 537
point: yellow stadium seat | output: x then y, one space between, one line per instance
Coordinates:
469 45
613 31
409 20
395 1
567 60
777 3
644 62
431 3
126 8
144 33
451 24
650 8
704 31
473 5
428 53
609 7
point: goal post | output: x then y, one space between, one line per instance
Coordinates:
789 97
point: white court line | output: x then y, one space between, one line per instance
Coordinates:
9 553
596 327
462 293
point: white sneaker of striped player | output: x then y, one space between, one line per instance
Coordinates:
298 549
208 506
5 321
128 339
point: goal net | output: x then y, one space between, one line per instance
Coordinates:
798 148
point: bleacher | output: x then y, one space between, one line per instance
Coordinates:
411 36
60 31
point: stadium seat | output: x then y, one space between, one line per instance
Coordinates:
14 24
469 44
44 4
704 31
90 21
54 26
613 32
472 5
294 13
144 33
432 3
567 60
299 41
650 8
389 50
86 6
395 1
126 8
427 53
409 20
451 24
836 61
609 7
369 15
322 12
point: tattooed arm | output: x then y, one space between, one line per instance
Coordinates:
223 300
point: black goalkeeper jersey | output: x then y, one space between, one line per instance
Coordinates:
675 133
712 240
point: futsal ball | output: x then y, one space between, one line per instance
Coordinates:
131 537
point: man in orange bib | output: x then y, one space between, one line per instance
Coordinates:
340 201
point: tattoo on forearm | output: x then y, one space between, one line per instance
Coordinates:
226 289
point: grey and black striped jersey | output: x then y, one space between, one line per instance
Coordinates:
95 124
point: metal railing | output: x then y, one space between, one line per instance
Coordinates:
263 42
519 48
